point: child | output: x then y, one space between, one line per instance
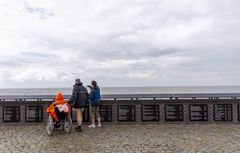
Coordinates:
61 104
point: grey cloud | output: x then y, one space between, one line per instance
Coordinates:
120 40
127 54
9 63
110 49
41 11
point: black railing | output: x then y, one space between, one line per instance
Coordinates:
130 96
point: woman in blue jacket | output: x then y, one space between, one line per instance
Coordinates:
95 100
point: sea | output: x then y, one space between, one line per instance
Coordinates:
125 90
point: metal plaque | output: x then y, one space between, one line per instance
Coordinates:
106 113
198 112
34 113
126 113
174 112
223 112
11 113
150 112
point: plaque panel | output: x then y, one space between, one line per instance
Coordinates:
198 112
34 113
126 113
11 113
174 112
150 113
106 113
223 112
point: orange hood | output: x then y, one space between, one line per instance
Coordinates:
59 96
60 99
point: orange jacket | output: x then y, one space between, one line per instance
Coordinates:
59 101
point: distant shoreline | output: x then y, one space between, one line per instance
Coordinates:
125 90
127 87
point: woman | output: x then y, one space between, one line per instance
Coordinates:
95 100
79 101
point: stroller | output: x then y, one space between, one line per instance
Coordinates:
59 115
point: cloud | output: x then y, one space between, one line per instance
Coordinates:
119 43
43 13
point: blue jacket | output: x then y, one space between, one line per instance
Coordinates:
95 96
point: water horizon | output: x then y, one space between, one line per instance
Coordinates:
126 90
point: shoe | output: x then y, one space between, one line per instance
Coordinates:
99 125
57 125
92 126
78 129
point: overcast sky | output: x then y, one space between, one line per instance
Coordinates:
48 43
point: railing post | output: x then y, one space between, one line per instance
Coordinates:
235 111
22 113
45 115
114 111
186 112
162 113
138 111
1 114
210 112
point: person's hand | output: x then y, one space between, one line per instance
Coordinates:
89 86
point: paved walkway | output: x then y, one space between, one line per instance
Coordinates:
126 138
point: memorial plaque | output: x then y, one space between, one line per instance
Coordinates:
198 112
150 112
34 113
106 113
174 112
126 113
11 113
223 112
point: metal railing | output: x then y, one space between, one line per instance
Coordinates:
129 96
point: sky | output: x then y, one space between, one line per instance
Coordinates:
119 42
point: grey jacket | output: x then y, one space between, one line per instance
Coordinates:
79 98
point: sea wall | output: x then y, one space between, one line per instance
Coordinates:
157 108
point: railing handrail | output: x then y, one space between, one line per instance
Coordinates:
129 96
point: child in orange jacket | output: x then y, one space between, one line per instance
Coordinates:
61 103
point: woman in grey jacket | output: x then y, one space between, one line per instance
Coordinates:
79 100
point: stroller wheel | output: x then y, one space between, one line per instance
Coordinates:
50 125
68 124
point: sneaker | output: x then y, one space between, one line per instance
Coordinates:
78 129
99 125
92 126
